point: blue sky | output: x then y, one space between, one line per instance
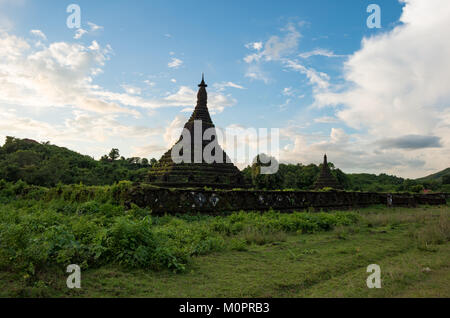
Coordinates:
127 80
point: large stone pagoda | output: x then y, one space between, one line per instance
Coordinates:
326 179
218 174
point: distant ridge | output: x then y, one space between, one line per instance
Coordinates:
435 176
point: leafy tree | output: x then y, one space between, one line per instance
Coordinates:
446 179
417 188
114 154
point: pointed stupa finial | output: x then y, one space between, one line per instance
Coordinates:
325 159
203 84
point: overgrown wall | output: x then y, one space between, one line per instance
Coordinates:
164 200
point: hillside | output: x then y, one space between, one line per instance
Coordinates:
436 176
47 165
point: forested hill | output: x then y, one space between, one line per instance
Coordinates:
438 176
47 165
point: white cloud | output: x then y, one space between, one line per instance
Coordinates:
255 72
94 27
320 52
80 131
175 63
223 85
287 91
62 75
186 96
173 130
132 90
276 47
254 45
351 153
56 75
39 34
79 33
397 83
326 120
319 80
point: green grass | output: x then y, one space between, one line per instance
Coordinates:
270 255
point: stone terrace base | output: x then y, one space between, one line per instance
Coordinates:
165 200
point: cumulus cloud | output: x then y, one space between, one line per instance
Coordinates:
397 84
350 152
62 75
175 63
56 75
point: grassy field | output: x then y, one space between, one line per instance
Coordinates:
253 255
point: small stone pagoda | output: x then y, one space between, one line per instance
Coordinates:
222 174
326 179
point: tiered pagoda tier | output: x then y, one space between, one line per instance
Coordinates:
223 174
326 179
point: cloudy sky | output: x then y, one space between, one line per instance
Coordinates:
375 100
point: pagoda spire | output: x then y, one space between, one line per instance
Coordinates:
201 110
203 84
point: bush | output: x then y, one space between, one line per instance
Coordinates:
82 225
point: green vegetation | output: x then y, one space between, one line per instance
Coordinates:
438 176
129 252
302 177
240 254
38 234
48 165
58 207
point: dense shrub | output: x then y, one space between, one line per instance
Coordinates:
84 225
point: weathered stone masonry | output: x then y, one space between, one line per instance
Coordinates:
165 200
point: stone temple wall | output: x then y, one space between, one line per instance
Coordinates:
165 200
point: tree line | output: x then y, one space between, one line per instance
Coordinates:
48 165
